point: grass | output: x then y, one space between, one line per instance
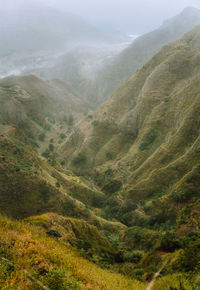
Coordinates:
28 248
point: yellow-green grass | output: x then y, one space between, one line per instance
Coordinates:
28 248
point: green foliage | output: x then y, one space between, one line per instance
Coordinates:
110 155
189 259
42 137
141 238
46 153
169 243
62 136
51 147
57 279
54 233
57 184
95 123
44 189
182 196
80 159
132 257
71 121
112 185
148 139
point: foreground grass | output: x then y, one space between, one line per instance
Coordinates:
26 250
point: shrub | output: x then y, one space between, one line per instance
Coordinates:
110 155
57 279
79 159
169 243
190 256
54 233
148 139
95 123
42 137
44 190
71 120
62 136
132 257
46 154
112 186
57 184
51 147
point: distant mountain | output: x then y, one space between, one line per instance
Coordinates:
142 49
39 27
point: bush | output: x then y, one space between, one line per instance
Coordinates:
57 279
42 137
71 120
190 256
57 184
79 159
169 243
46 154
148 139
95 123
112 186
54 233
44 190
62 136
109 155
132 257
51 147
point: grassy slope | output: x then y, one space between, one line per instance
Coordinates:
52 261
29 185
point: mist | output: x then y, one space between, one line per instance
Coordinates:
135 17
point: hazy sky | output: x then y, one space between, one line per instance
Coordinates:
132 16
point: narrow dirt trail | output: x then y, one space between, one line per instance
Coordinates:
150 286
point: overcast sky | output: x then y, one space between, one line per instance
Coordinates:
131 16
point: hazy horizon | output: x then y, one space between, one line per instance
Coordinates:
125 15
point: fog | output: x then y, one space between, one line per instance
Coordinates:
129 16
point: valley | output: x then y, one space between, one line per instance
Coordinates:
100 160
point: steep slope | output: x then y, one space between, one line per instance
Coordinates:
146 136
29 185
39 108
142 49
31 258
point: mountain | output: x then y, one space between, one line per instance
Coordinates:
143 143
142 49
141 148
104 199
38 27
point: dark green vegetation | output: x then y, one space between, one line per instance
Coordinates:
117 193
